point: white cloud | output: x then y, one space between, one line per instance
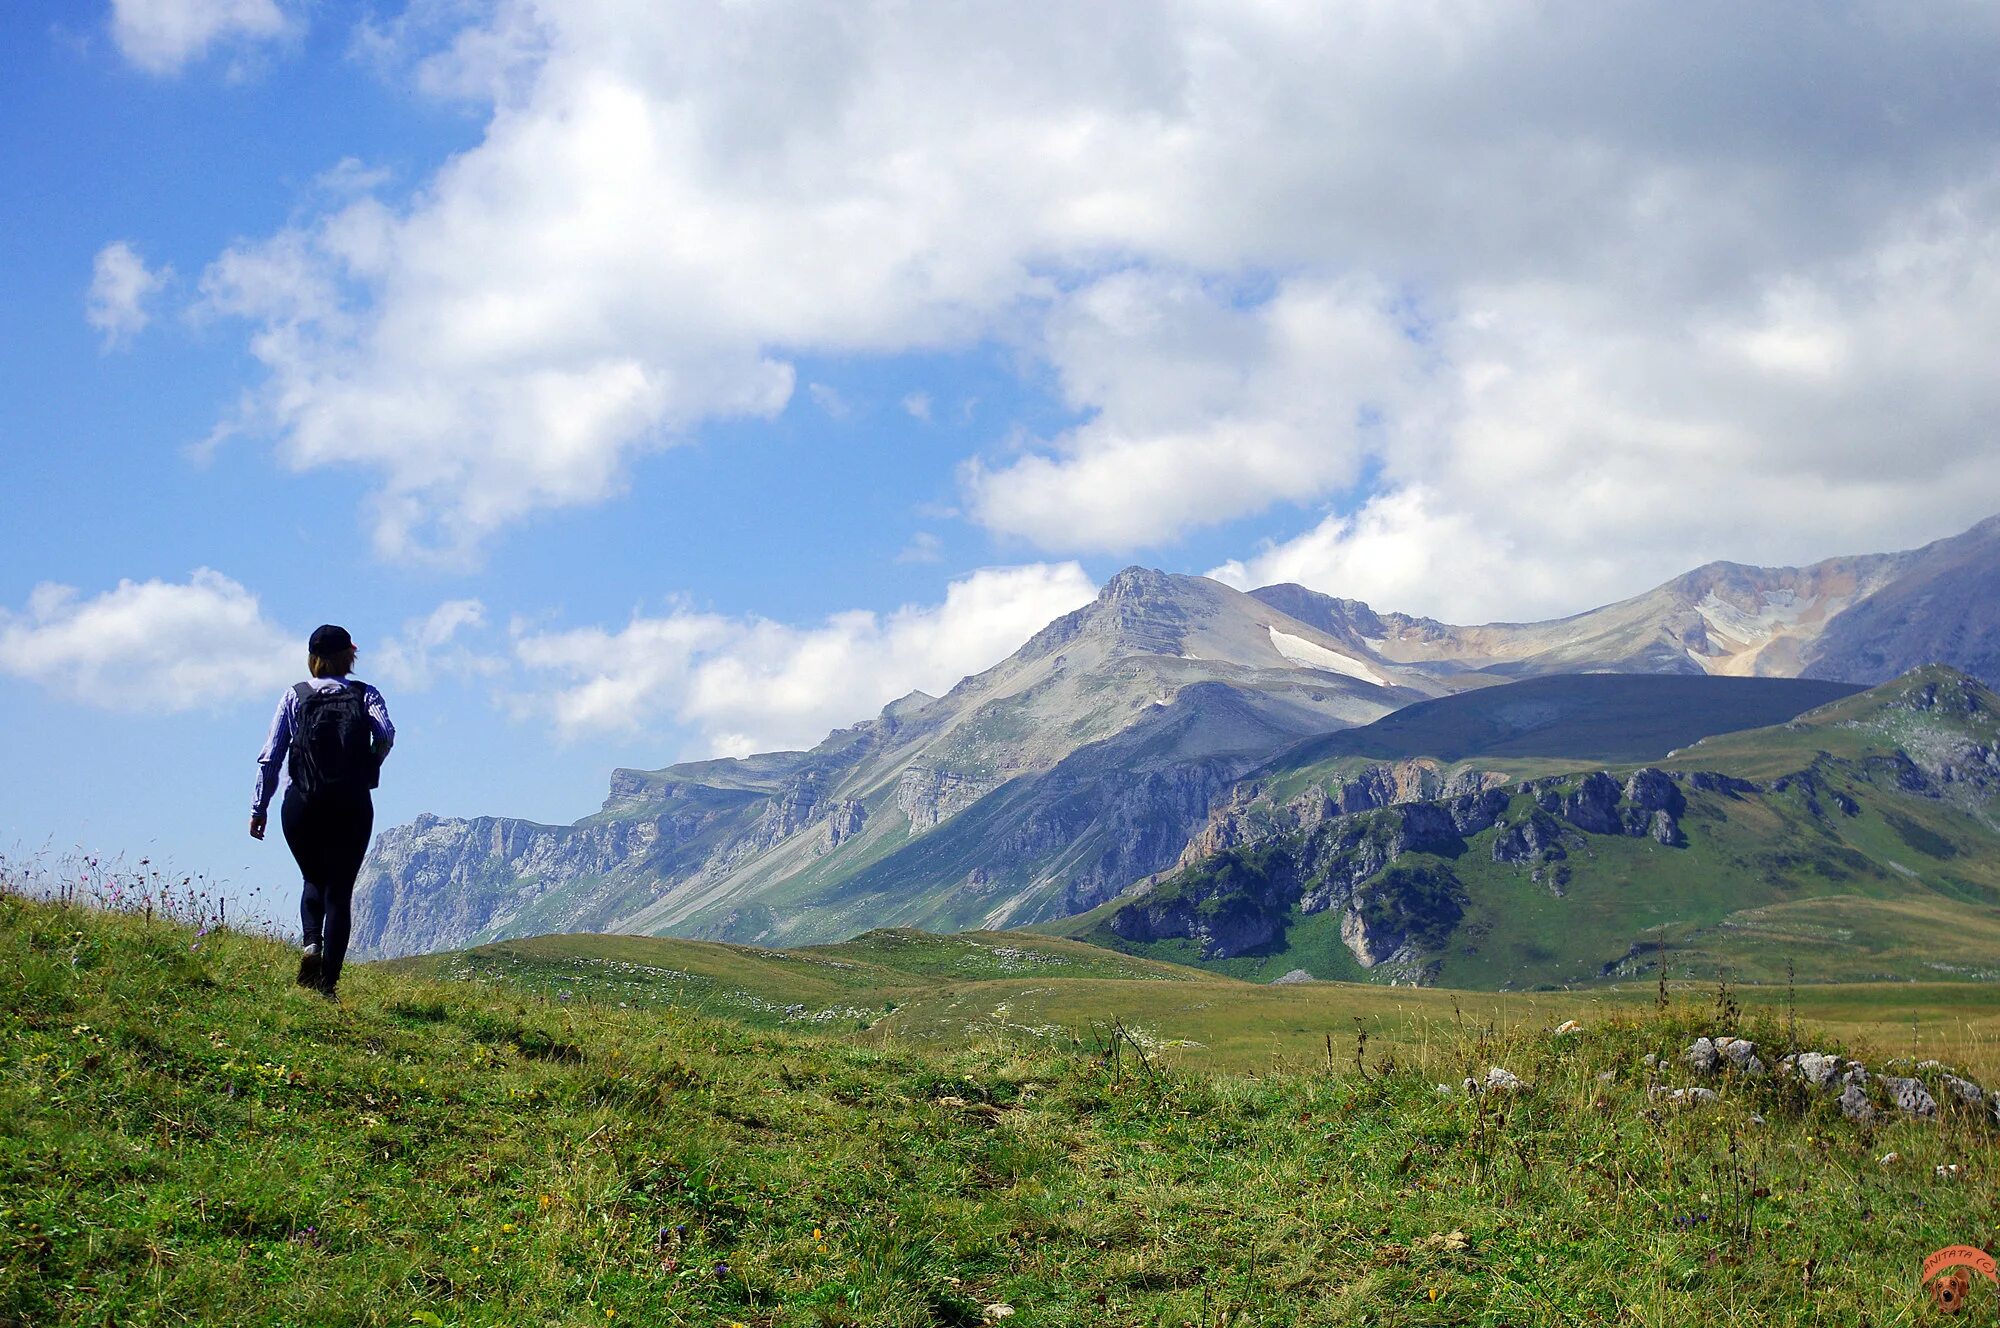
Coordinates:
829 400
1573 454
918 406
163 36
1200 409
924 547
429 646
120 286
150 645
748 684
1603 290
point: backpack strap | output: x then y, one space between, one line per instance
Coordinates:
302 690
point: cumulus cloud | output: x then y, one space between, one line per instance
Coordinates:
749 684
120 286
149 645
431 646
163 36
1201 409
1575 454
1598 292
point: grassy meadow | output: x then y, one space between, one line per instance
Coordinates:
532 1138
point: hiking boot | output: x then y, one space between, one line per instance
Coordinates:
309 968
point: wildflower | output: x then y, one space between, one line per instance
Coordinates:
721 1268
544 1200
509 1228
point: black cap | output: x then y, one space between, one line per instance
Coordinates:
328 641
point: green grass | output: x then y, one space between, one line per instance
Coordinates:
898 988
188 1138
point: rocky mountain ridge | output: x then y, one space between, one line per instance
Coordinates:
1089 755
1092 756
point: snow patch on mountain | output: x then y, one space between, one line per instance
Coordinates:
1314 656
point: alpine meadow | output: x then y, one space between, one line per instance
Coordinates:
1152 664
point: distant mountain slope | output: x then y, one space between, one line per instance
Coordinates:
1090 755
1944 604
1861 619
1857 841
1585 716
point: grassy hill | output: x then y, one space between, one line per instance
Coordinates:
1856 842
185 1137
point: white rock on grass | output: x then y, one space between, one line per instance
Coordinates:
1497 1081
1741 1055
1817 1069
1964 1090
1700 1056
1911 1096
1854 1105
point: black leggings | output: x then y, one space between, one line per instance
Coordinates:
329 837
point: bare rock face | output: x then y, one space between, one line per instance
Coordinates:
1701 1056
930 797
843 823
1538 838
1593 805
1652 790
1855 1106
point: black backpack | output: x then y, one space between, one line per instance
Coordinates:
333 741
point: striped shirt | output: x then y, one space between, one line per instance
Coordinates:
271 761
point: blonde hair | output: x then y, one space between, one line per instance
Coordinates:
330 666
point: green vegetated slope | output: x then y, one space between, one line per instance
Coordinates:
1857 842
187 1138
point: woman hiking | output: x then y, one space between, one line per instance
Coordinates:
336 731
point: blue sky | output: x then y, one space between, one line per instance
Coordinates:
643 381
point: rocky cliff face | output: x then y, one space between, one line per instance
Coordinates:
1237 901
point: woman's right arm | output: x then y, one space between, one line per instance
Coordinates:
270 762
